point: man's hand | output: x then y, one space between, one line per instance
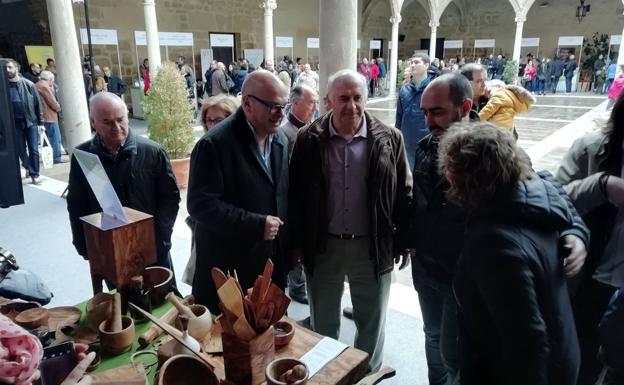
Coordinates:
271 227
403 259
577 253
615 191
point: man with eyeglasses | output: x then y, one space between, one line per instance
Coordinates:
238 190
349 189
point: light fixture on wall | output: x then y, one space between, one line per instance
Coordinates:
582 11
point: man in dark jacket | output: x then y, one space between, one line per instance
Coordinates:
438 228
612 339
557 72
138 169
569 72
515 315
208 77
541 76
350 186
115 84
219 81
239 78
238 190
28 118
33 73
409 118
500 67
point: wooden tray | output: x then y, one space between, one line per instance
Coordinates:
63 315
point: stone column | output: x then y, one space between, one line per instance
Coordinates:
268 6
394 55
434 37
518 40
338 39
151 31
72 95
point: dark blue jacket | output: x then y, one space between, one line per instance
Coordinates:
569 69
239 78
557 68
382 70
410 119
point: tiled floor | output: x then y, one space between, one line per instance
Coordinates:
38 232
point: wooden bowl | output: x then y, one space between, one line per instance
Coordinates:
99 308
63 315
200 327
33 318
12 309
284 333
279 366
186 370
116 343
158 280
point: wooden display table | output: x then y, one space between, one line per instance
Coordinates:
346 369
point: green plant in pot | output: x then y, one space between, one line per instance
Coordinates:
169 117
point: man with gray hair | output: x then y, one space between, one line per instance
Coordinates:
138 168
349 189
303 104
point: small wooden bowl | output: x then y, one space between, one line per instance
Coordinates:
279 366
158 280
284 333
63 315
12 309
116 343
186 370
33 318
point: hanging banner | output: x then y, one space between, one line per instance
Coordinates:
313 42
530 42
450 44
99 36
221 40
615 40
283 42
570 40
375 44
178 39
254 56
485 43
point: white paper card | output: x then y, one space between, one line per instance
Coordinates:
322 353
113 213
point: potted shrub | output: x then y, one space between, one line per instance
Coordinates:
169 116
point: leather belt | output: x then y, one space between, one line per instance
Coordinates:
347 236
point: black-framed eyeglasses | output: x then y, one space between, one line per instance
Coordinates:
274 108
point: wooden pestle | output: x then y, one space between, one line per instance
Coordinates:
168 318
115 325
180 306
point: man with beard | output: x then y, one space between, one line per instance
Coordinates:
438 228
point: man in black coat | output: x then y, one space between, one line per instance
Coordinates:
570 67
557 71
114 83
238 190
138 169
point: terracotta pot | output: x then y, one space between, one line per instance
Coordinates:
186 370
181 171
120 342
158 280
278 367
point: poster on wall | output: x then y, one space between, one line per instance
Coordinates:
375 44
570 40
99 36
453 44
530 42
313 42
485 43
171 39
221 40
615 40
39 54
284 42
254 56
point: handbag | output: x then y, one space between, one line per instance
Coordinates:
45 152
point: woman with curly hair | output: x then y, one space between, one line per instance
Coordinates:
515 318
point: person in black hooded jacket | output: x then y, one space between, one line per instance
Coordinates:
515 317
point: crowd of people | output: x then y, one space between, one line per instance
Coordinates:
519 273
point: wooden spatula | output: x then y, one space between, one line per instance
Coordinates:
231 297
218 277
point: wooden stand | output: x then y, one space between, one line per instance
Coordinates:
246 361
119 253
